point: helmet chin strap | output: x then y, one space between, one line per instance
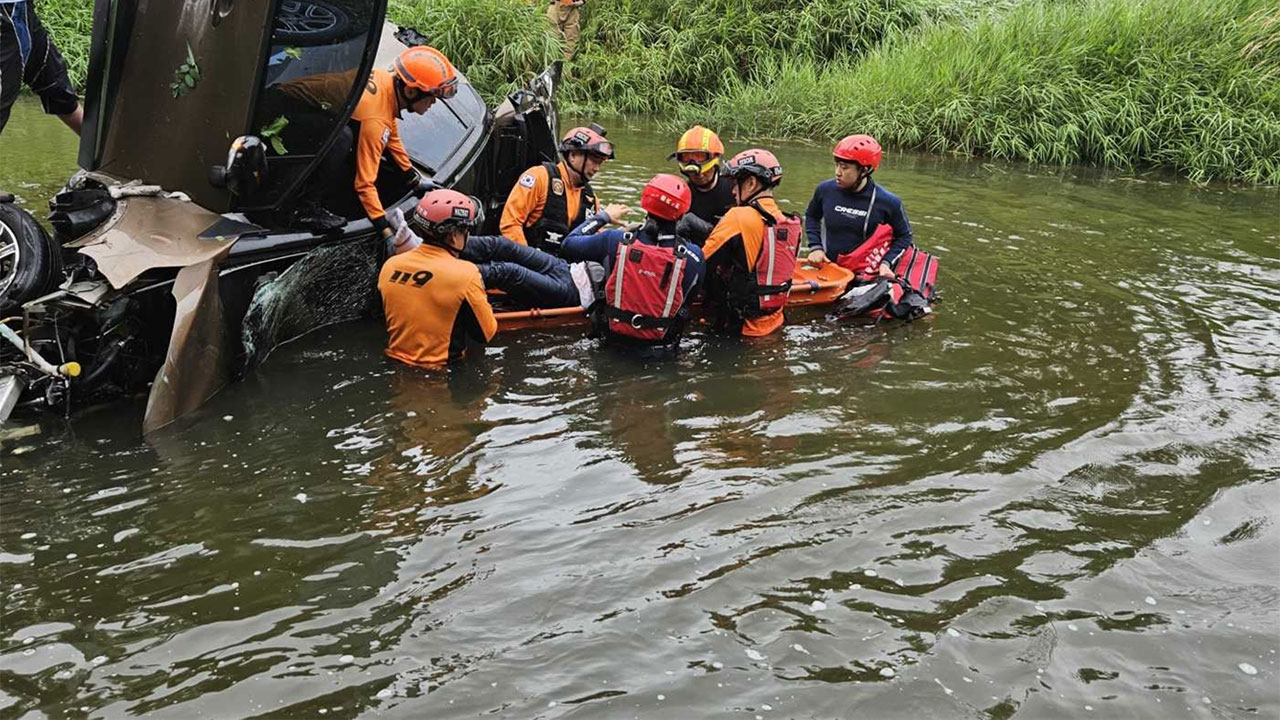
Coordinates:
581 172
864 175
747 201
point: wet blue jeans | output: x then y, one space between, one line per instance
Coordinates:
531 277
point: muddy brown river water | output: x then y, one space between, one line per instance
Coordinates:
1056 499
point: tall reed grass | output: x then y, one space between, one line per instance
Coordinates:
1184 84
499 44
1191 85
70 25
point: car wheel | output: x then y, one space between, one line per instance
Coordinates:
310 22
29 261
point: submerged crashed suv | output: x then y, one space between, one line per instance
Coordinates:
170 265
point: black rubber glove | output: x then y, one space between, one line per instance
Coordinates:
693 229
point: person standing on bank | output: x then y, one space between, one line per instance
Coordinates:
421 75
550 199
853 221
566 17
28 57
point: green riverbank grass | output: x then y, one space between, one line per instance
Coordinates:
499 44
70 24
1182 84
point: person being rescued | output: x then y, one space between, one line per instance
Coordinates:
751 253
698 155
851 220
420 76
549 199
434 287
651 276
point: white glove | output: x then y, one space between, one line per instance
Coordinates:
404 240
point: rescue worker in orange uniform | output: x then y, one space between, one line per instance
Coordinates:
551 199
421 75
751 253
435 303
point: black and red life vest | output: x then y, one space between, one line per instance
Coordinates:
551 228
764 290
644 292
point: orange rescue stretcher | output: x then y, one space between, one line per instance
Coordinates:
811 286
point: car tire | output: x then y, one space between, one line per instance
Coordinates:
30 264
310 22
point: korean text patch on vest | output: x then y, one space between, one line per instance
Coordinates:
386 135
526 180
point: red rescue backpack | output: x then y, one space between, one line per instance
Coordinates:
919 270
776 264
864 261
644 292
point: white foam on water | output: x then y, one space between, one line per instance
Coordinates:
1247 669
817 606
886 672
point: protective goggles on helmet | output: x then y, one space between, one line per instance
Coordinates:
696 163
446 89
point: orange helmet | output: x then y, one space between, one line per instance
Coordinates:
760 163
698 139
428 70
587 139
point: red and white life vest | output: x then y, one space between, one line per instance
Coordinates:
777 262
864 260
644 292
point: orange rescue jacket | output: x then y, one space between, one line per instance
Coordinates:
434 304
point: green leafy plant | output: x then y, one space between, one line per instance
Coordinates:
186 76
271 133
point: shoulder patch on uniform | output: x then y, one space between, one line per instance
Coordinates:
386 135
526 180
557 186
371 88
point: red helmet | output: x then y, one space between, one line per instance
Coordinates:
440 211
760 163
861 149
666 197
428 70
587 139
